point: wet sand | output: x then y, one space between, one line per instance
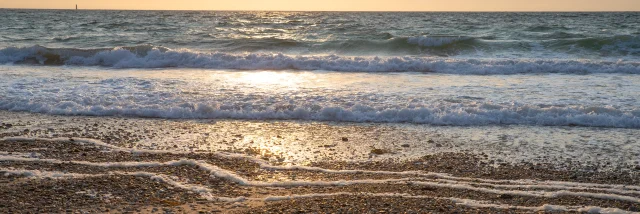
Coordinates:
119 165
78 175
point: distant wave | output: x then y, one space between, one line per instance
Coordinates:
159 57
551 43
437 41
435 114
384 43
626 44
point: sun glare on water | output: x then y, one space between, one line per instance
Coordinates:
270 79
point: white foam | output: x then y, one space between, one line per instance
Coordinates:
546 207
544 183
539 186
623 189
207 192
592 209
592 101
458 201
43 174
231 176
199 189
265 165
163 58
438 114
545 194
20 154
436 41
214 170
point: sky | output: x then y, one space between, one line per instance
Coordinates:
335 5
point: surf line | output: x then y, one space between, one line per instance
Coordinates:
215 171
266 165
207 193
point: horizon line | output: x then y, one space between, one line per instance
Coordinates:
396 11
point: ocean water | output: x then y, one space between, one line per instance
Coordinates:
568 80
458 43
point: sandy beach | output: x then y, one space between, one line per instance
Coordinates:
69 172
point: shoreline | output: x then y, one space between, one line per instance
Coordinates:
588 149
54 163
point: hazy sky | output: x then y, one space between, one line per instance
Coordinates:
336 5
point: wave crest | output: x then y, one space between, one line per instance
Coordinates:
437 41
160 57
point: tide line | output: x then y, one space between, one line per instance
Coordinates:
265 165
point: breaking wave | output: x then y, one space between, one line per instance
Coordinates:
437 41
437 114
147 56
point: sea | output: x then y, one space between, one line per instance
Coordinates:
536 86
